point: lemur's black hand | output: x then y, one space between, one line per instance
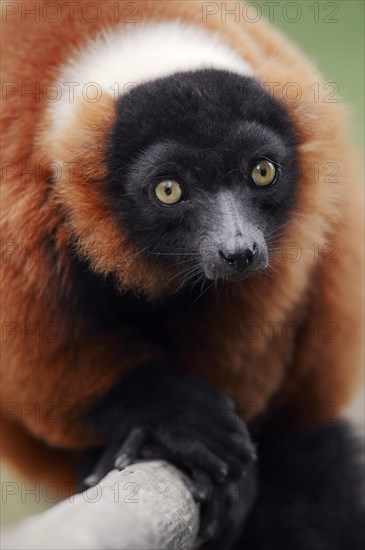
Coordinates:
158 412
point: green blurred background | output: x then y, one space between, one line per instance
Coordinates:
338 50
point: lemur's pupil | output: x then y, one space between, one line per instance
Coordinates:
168 191
263 172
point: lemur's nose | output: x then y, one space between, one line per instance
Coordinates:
240 258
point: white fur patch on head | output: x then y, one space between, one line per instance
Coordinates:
121 58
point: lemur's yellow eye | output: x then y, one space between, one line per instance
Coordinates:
264 173
168 191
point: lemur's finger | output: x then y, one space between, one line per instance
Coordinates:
211 513
202 485
103 467
130 449
194 454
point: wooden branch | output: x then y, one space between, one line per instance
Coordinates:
147 506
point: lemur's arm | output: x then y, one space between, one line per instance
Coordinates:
119 389
310 492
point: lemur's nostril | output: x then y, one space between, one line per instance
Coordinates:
228 258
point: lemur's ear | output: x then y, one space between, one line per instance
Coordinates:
81 139
76 155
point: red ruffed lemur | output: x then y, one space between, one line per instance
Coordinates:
181 264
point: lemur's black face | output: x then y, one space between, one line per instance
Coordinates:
203 171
